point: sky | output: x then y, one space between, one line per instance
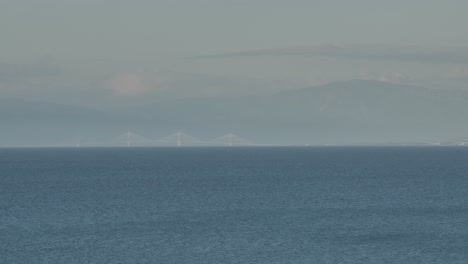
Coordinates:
133 30
106 52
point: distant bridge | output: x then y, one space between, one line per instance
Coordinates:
178 139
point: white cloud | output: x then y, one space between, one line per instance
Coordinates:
361 52
128 84
459 72
385 76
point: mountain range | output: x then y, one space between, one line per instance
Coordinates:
349 112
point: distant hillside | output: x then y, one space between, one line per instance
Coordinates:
378 103
357 110
351 112
29 123
15 110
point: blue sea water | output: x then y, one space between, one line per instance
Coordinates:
234 205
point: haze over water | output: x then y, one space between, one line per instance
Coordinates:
234 205
295 72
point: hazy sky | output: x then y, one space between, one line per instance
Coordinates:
130 29
114 50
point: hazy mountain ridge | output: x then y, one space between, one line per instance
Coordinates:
336 113
374 98
353 104
15 110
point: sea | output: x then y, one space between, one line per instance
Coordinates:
234 205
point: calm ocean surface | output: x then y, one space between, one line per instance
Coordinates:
234 205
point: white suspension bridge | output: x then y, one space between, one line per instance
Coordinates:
177 139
